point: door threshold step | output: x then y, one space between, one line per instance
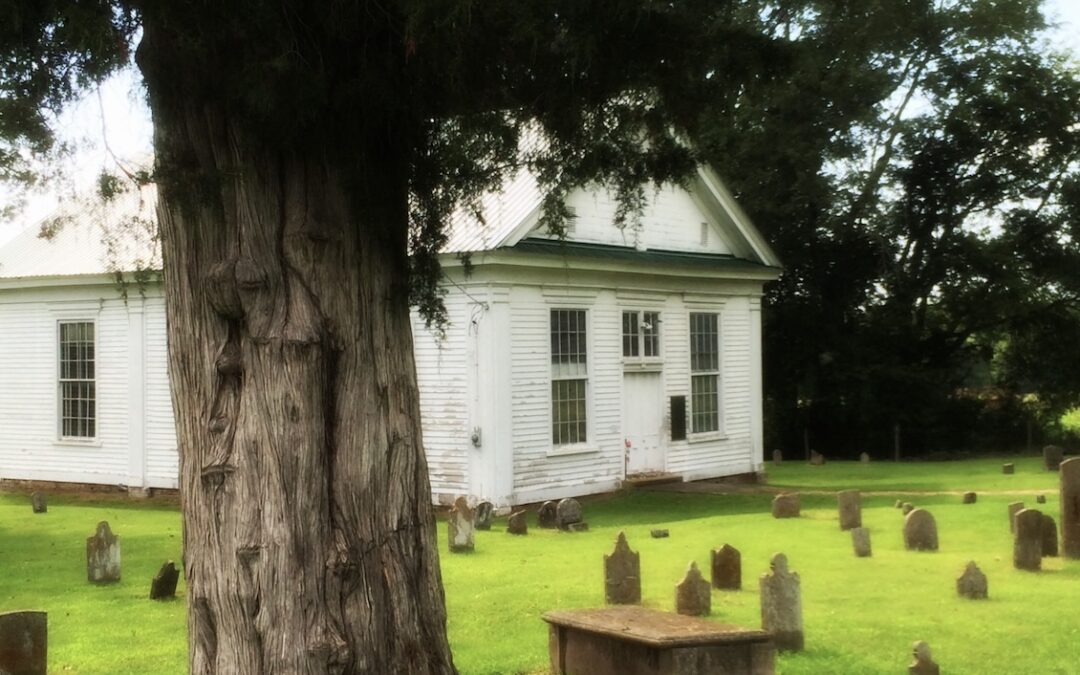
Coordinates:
647 479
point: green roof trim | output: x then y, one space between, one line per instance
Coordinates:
626 254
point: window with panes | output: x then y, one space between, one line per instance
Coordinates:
704 373
77 381
569 376
641 335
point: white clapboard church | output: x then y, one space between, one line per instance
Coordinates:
568 364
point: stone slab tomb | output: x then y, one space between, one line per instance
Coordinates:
922 664
639 641
460 527
163 586
1028 540
726 565
545 516
920 531
781 605
24 643
485 513
860 542
849 506
1070 508
693 595
622 574
517 523
786 505
103 556
972 582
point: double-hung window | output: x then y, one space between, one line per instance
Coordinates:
77 383
640 335
704 373
569 376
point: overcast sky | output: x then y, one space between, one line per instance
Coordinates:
119 115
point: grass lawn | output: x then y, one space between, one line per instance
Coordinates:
861 615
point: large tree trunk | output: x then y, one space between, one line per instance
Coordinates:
309 537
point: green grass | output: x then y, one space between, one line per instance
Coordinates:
861 615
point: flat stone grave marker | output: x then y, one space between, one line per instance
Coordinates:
970 497
693 596
485 512
163 586
860 541
1040 499
622 574
864 458
460 526
1008 468
659 533
899 503
906 508
1014 508
568 513
38 503
517 523
103 556
922 663
777 457
631 640
1053 455
786 505
781 605
545 516
972 582
1070 507
726 568
1027 542
849 505
24 643
816 458
1049 536
920 531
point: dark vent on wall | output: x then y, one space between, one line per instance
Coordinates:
678 418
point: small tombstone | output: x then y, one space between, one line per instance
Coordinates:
622 574
693 596
460 526
545 516
24 640
1052 457
899 503
1070 507
726 568
786 505
1049 536
517 523
923 664
849 504
906 508
920 531
777 457
38 502
970 497
1027 542
860 541
972 582
781 605
103 556
816 458
658 533
1040 499
567 512
485 512
864 458
1014 508
1008 468
164 584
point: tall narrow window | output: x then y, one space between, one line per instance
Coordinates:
78 387
569 376
704 373
641 335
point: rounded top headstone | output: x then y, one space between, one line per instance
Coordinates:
778 564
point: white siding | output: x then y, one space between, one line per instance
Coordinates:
162 460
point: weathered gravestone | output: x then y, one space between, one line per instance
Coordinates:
906 508
568 515
1049 536
659 533
103 556
860 541
781 605
1008 468
38 503
816 458
1014 508
1027 542
923 664
545 516
920 531
163 585
726 568
1040 499
693 597
24 640
972 582
849 505
460 526
622 574
517 523
786 505
1070 508
1052 457
777 457
899 503
970 497
485 512
864 458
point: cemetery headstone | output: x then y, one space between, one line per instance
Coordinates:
164 584
568 513
781 605
816 458
1049 536
1027 541
485 512
545 516
1008 468
864 458
849 505
24 640
658 533
860 541
923 664
517 523
970 497
103 556
622 574
777 457
920 531
726 568
1014 508
907 507
786 505
693 597
899 503
972 582
1040 499
1070 507
38 503
1052 457
460 526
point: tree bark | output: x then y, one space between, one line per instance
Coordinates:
309 541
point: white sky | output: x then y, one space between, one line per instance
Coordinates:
125 124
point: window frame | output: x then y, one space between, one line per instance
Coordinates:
641 359
585 327
714 372
60 380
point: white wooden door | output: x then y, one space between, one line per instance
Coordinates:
643 410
